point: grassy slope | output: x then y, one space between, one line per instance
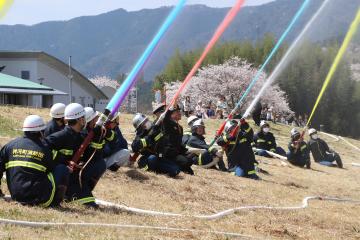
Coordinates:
207 192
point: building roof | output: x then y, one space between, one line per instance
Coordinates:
58 65
10 84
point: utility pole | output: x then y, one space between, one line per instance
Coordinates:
70 80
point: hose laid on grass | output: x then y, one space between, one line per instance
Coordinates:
305 204
122 226
349 143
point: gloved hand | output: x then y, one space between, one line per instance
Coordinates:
98 130
219 154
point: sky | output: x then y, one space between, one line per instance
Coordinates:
34 11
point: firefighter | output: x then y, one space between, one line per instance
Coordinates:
211 156
147 140
265 141
236 142
187 134
116 152
93 166
64 145
57 123
299 153
171 146
321 152
32 176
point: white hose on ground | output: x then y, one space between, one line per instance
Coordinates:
336 139
355 164
349 143
123 226
305 204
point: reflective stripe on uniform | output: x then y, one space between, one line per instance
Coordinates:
111 137
32 165
143 141
211 149
248 129
243 140
303 147
251 172
261 140
200 160
146 168
225 139
157 138
269 142
66 152
52 180
85 200
273 150
97 145
54 153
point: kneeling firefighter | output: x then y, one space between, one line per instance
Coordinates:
210 156
33 178
237 144
147 140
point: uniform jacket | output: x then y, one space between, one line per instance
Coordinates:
318 149
265 141
52 127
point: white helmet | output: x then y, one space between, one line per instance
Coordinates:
312 131
33 123
229 125
90 114
191 120
74 111
139 119
57 110
198 123
294 132
263 124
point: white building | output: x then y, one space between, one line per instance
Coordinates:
42 68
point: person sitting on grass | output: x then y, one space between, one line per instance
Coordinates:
321 151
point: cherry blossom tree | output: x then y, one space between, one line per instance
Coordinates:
230 80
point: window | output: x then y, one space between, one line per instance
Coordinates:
25 75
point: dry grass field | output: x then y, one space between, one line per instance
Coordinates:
207 192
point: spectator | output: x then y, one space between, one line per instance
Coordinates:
186 106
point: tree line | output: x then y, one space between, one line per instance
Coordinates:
301 80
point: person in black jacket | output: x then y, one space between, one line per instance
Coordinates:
64 145
92 164
299 153
116 152
237 145
171 146
211 156
32 176
265 141
57 123
321 151
256 114
147 140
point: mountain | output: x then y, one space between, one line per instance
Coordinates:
110 43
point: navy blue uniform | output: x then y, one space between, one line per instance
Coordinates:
299 157
172 147
266 141
198 141
28 165
52 127
186 137
115 142
239 151
64 145
146 143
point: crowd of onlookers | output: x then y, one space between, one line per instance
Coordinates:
220 110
